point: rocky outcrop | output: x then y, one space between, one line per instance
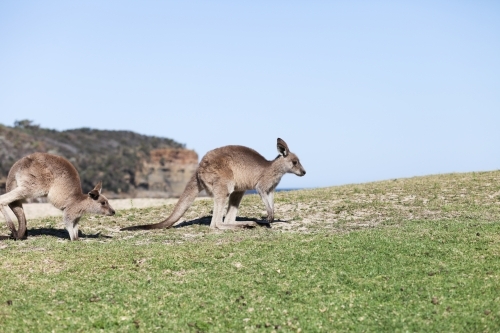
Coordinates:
129 164
165 172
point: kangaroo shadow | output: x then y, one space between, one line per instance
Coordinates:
59 233
205 220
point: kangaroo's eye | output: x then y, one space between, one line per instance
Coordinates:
295 162
103 203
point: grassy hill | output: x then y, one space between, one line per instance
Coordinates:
93 152
417 254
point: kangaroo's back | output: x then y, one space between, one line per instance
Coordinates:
41 173
241 164
63 171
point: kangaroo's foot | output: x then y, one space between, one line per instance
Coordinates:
254 223
15 236
237 225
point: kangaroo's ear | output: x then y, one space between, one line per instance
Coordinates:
98 187
283 148
94 194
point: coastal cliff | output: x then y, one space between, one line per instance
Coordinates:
129 164
166 170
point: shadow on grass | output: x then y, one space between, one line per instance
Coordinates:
205 220
59 233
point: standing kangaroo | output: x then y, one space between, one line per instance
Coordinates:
228 172
38 175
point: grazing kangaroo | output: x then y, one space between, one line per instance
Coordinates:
228 172
38 175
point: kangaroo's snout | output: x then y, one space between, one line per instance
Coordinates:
111 212
298 172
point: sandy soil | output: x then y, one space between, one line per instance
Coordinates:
40 210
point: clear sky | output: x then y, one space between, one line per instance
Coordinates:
360 90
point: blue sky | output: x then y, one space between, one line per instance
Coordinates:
360 90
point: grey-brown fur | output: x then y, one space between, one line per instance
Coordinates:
38 175
227 172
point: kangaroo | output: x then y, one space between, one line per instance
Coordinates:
40 174
228 172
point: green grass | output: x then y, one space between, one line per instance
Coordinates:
355 259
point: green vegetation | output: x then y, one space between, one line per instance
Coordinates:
93 152
419 254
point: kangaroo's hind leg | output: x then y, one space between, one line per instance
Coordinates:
232 208
7 199
17 208
219 201
10 224
218 211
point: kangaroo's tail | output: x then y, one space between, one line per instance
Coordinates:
187 197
